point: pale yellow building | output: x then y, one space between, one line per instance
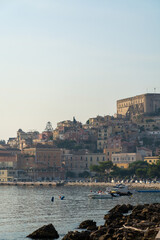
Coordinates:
152 160
5 176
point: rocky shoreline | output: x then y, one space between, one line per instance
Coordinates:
123 222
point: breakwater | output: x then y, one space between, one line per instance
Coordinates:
91 184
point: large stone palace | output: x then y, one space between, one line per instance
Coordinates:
140 104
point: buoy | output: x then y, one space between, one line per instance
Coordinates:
52 199
62 197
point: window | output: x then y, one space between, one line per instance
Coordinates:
97 159
91 159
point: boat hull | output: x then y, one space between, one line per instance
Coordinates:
100 196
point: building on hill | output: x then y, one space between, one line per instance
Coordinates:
141 104
103 134
145 152
109 151
25 139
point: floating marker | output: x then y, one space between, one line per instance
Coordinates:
52 199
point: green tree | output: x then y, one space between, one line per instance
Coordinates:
141 172
70 174
84 174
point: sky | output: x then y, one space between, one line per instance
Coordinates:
60 59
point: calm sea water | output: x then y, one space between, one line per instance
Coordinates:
24 209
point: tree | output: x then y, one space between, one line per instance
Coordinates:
84 174
141 172
102 167
2 142
95 168
70 174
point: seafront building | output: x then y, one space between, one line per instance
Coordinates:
41 162
123 160
81 162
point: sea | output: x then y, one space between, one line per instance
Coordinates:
23 209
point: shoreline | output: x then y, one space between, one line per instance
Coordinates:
91 184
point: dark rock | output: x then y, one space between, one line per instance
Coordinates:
105 237
121 208
47 231
92 228
113 215
150 234
86 224
77 236
97 234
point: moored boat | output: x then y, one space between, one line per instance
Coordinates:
100 195
121 189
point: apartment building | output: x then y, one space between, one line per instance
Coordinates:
124 159
79 163
109 151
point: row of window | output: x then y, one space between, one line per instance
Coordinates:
91 159
129 104
125 158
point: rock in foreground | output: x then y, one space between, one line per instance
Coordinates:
77 235
45 232
123 222
87 224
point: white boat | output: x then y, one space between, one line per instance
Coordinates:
121 189
100 195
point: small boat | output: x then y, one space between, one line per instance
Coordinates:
100 195
121 189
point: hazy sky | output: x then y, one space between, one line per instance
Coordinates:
65 58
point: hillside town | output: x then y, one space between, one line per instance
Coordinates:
72 148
